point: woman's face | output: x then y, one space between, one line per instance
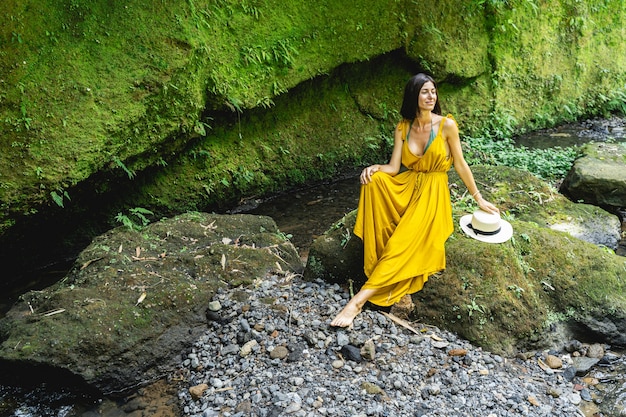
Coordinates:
427 97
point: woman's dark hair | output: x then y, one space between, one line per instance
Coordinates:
411 93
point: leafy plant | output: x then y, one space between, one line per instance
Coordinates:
119 163
474 307
547 164
137 213
58 197
516 290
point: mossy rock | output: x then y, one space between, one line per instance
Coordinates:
506 296
599 175
136 298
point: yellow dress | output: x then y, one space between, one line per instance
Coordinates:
405 220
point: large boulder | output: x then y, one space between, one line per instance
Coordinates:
513 295
136 298
599 176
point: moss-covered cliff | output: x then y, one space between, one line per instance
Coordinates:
186 105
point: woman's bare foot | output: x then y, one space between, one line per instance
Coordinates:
346 316
352 309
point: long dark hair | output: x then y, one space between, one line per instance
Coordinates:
411 93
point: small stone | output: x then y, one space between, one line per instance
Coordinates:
440 344
337 364
457 352
434 389
595 351
585 394
368 351
342 339
244 407
484 372
293 408
533 401
372 389
213 316
351 353
554 392
554 362
573 346
279 352
230 349
569 373
215 306
197 391
247 348
217 383
575 398
591 381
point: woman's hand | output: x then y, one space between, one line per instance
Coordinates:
366 174
485 205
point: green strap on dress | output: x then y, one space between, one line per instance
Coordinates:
432 136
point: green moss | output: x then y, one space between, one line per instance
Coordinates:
190 104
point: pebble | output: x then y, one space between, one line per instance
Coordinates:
554 362
266 362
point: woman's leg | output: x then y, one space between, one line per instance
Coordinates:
353 308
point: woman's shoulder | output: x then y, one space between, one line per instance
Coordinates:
448 121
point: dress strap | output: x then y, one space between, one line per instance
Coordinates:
443 122
408 132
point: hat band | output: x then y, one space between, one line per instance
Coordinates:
481 232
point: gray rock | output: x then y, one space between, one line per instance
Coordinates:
599 177
583 364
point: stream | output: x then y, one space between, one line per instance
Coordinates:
303 215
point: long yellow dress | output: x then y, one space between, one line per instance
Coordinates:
405 220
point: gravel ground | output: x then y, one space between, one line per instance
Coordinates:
269 351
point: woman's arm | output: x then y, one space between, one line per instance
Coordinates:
393 166
451 135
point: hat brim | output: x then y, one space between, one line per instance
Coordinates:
505 233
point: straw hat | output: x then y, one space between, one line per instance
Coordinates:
486 227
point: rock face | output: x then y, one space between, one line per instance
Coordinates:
539 289
599 176
206 102
136 298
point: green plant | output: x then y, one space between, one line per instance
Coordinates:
138 213
119 163
58 197
473 307
284 236
516 290
345 237
547 164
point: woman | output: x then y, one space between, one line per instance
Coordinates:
405 219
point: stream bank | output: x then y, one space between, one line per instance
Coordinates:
305 213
